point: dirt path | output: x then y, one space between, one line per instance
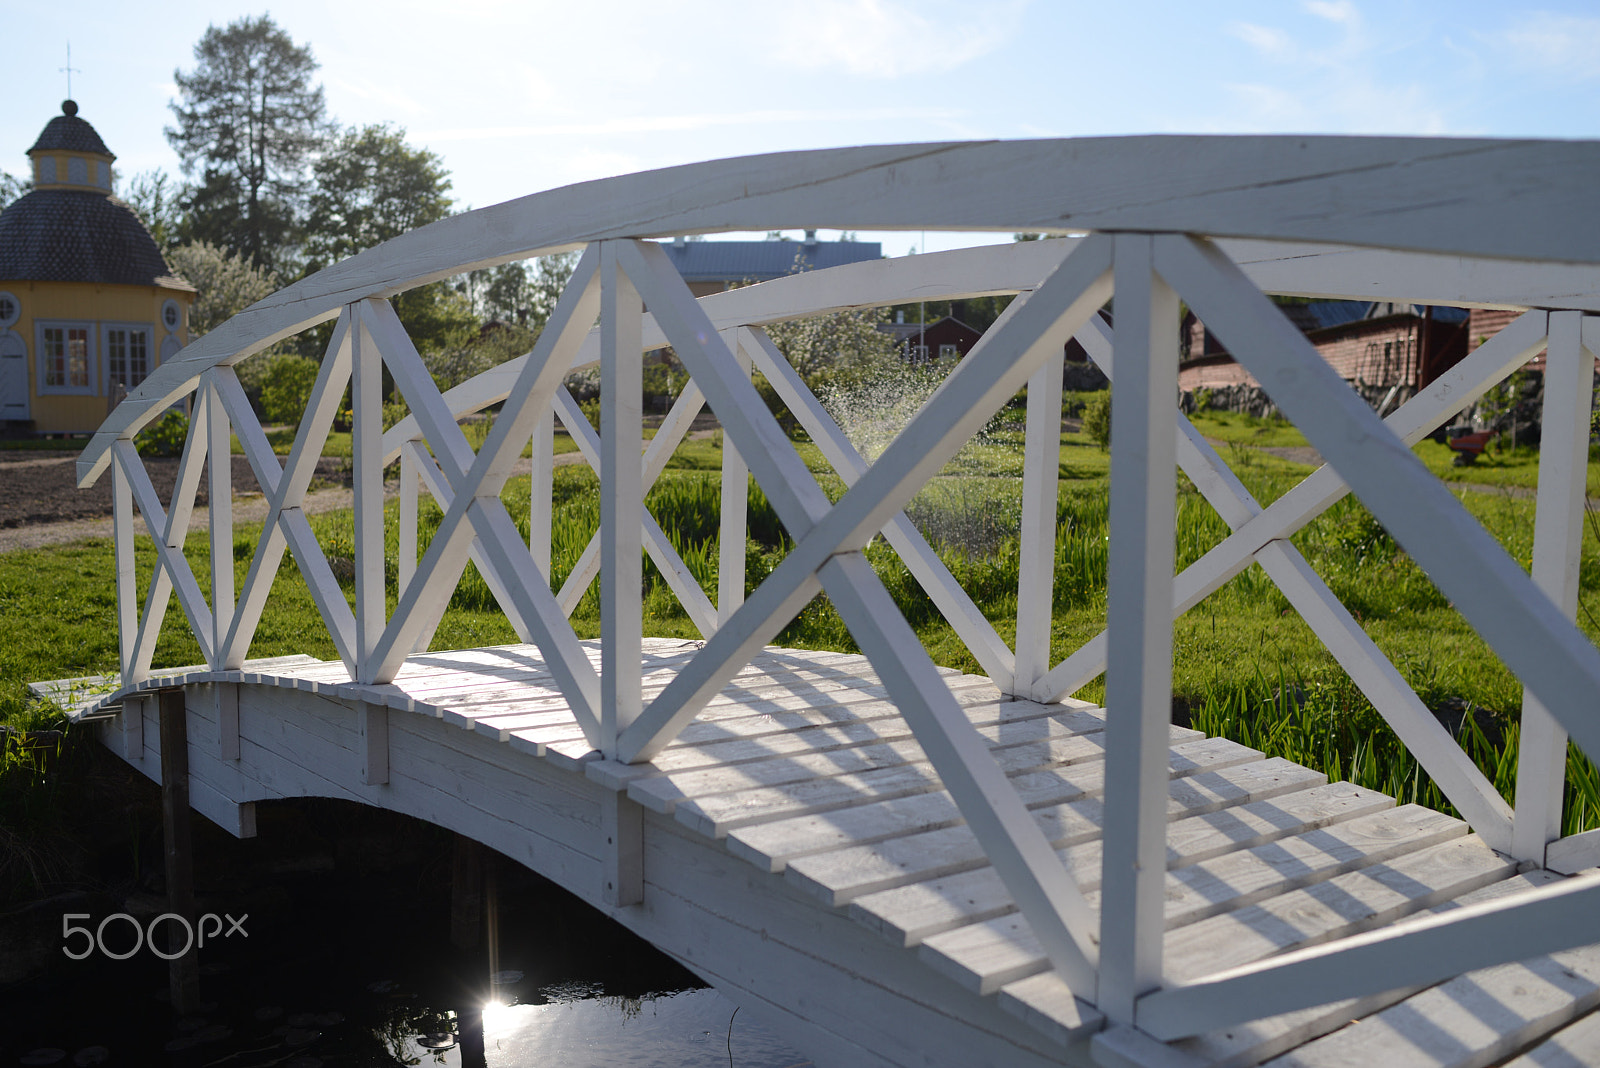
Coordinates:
40 503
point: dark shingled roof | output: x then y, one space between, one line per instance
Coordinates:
69 133
69 235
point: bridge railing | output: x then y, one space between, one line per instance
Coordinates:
1150 258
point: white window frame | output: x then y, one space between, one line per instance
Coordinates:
149 332
16 309
91 339
173 306
949 352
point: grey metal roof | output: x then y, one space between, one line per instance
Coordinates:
760 261
1326 314
69 133
70 235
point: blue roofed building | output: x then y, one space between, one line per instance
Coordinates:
713 266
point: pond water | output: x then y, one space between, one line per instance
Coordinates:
345 964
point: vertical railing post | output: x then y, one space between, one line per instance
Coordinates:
366 451
219 489
735 502
410 479
621 498
541 491
127 583
1041 472
1139 626
1557 543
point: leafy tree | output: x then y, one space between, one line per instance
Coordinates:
287 388
371 186
250 121
227 283
154 197
11 188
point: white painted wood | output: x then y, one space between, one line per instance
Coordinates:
1011 350
1571 1047
1464 383
373 723
1122 1046
130 726
622 840
285 486
409 477
219 472
541 492
170 557
969 622
127 579
735 501
1525 629
677 574
844 875
1275 266
1574 853
1405 952
1378 679
1470 1021
1247 1044
366 448
1036 568
621 497
987 955
227 700
1557 547
322 584
1476 197
1138 591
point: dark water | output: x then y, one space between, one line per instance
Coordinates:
348 961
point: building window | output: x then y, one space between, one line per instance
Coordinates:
10 309
919 354
66 358
949 352
127 350
171 315
77 170
47 169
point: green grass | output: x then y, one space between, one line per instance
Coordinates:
1246 666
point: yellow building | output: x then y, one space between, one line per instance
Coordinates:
88 306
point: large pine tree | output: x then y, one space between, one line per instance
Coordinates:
249 122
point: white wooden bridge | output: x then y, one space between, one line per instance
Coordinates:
892 863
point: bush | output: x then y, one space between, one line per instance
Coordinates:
286 389
164 437
1097 419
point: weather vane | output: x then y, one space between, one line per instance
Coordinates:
69 68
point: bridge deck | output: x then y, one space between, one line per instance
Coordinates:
803 769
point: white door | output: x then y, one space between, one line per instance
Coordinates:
13 377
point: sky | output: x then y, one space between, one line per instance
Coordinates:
518 96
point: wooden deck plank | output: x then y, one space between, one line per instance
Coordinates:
985 956
700 784
932 900
770 846
1343 905
1472 1021
717 814
1575 1046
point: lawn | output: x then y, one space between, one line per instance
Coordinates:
1246 666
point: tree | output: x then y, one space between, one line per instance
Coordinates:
11 188
227 283
371 186
154 197
250 120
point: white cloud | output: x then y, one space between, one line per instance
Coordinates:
893 38
1566 46
1264 39
1341 11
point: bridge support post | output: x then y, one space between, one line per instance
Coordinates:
622 828
183 973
